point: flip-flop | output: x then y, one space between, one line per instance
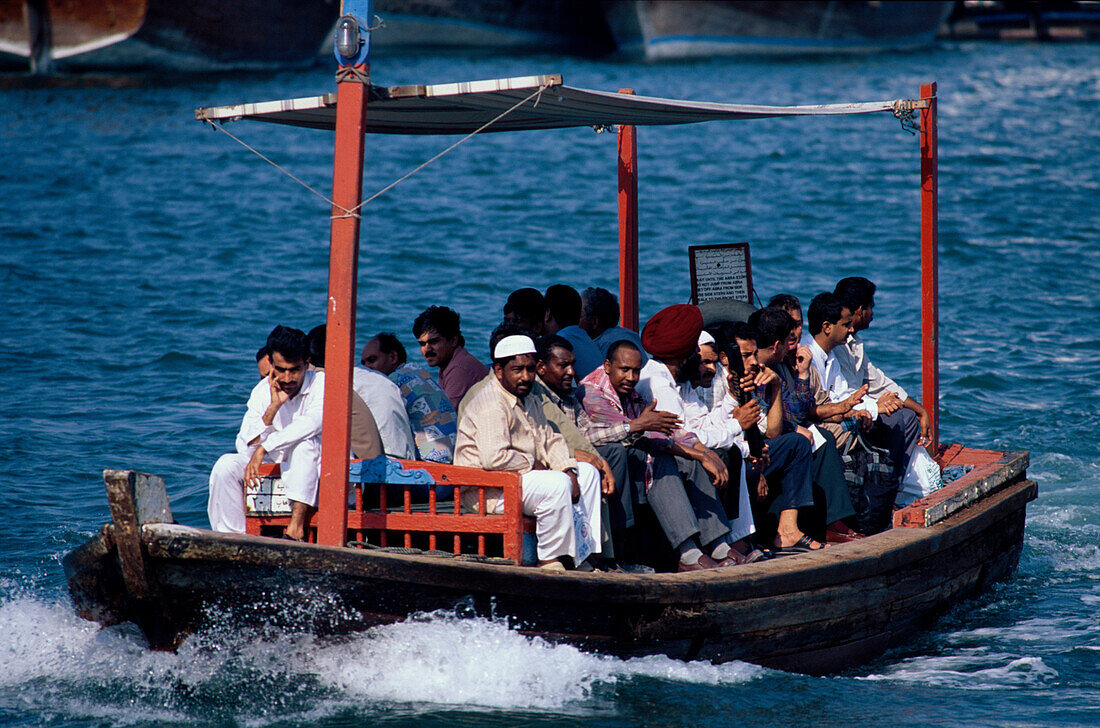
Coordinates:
291 538
802 546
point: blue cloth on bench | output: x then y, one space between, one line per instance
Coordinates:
387 470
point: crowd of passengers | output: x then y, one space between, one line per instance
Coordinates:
684 447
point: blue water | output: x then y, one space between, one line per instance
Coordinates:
144 257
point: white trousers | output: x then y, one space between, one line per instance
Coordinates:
547 496
301 468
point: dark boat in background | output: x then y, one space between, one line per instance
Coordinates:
1065 20
569 26
666 29
196 35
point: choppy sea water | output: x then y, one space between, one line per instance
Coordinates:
143 258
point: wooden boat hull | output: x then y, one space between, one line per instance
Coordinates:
813 613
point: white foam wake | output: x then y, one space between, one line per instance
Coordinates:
53 661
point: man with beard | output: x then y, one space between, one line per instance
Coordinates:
672 339
504 428
282 424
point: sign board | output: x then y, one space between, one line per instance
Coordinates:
720 271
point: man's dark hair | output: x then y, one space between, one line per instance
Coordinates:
620 344
389 343
546 345
722 331
601 304
502 332
261 353
564 304
316 339
527 305
440 318
737 330
855 292
785 301
290 344
736 367
824 307
772 325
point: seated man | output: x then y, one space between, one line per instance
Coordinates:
563 314
710 380
897 409
562 403
600 319
381 397
665 469
672 337
281 424
898 432
366 441
431 416
775 334
441 343
805 400
503 428
263 362
526 308
785 463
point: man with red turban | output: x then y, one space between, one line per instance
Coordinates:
672 337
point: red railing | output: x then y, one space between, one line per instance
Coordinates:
439 524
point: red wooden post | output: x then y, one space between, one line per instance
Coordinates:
929 261
628 224
347 190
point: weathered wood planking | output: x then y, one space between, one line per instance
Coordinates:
814 613
992 470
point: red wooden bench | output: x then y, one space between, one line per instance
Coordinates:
439 524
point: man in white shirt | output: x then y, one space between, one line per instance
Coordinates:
888 424
382 397
906 419
432 417
282 424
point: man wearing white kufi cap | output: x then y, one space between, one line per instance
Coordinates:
504 429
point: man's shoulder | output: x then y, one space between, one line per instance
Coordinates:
479 396
373 379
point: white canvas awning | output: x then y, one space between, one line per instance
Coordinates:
461 108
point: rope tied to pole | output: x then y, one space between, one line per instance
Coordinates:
352 74
354 212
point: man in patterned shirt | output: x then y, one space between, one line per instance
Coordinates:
679 491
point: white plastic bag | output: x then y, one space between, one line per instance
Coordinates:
922 477
585 539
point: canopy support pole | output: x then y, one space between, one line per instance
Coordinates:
628 224
929 261
343 272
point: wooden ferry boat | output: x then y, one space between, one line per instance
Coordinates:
816 612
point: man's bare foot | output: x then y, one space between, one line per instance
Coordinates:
299 514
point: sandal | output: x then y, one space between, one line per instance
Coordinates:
803 545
